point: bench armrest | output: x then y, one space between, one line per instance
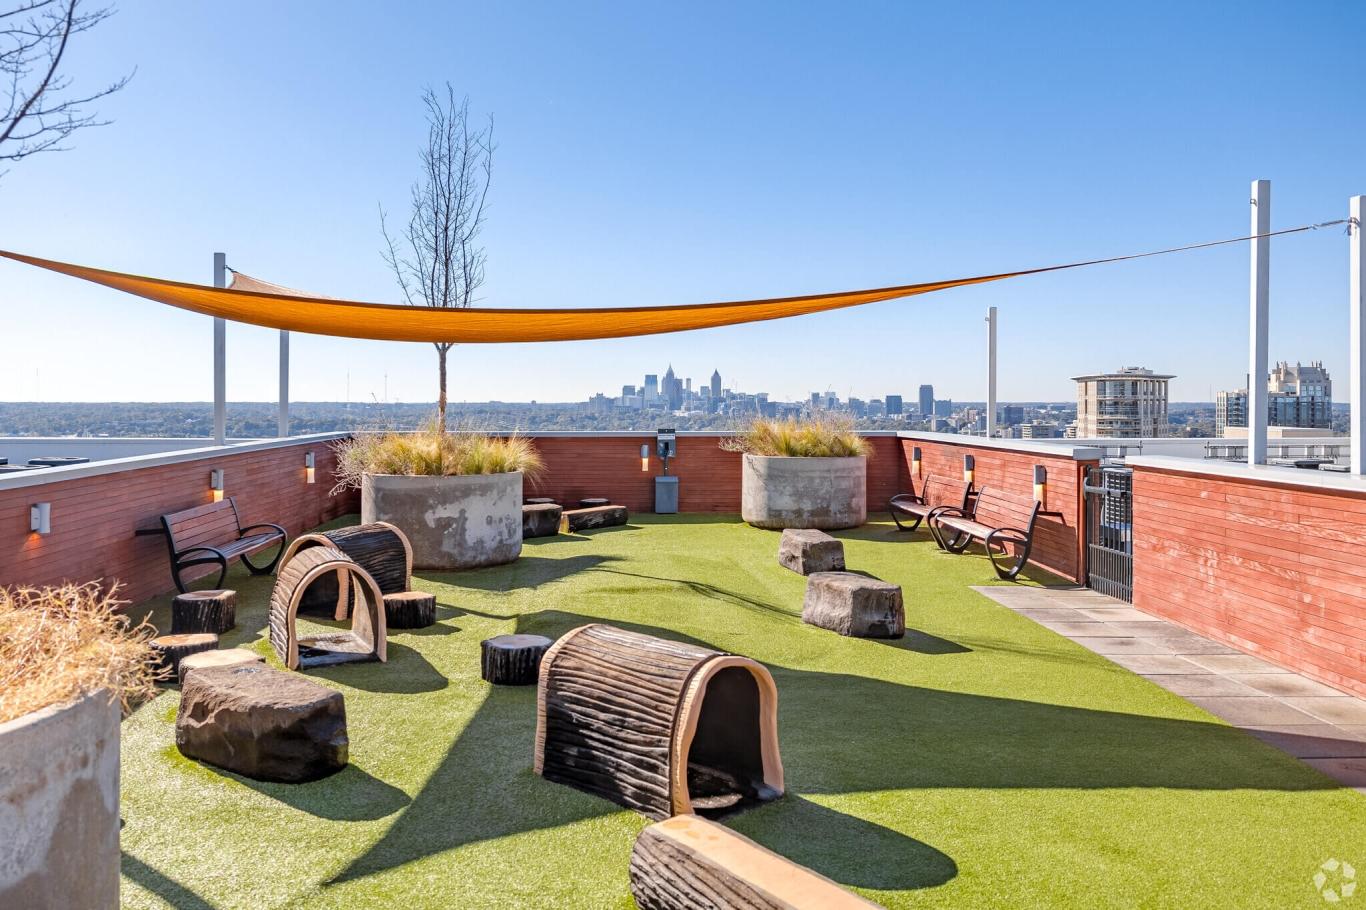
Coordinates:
242 532
951 511
1023 536
181 554
907 497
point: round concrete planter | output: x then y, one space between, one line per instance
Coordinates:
824 493
59 806
452 522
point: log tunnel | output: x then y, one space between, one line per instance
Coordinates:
380 548
657 726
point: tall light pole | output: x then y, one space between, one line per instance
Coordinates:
1358 335
220 357
991 372
1259 318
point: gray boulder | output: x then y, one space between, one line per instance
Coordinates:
806 551
262 723
854 605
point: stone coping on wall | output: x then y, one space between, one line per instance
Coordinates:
1058 450
115 465
1278 475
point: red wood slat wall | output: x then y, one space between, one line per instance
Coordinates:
1266 568
93 518
1058 539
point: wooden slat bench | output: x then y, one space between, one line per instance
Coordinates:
935 493
214 535
1000 520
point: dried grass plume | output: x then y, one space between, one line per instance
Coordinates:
432 453
826 436
60 643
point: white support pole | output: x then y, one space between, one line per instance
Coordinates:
1357 340
284 384
991 372
1259 313
220 357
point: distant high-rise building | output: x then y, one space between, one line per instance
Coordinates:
926 400
672 389
716 384
1011 415
817 399
627 391
651 389
1126 404
942 407
892 404
1297 396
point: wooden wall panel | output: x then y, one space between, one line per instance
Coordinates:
1058 543
1264 567
93 518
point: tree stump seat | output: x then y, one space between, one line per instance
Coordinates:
592 502
807 550
409 610
512 660
690 863
226 657
657 726
538 501
540 519
854 605
170 650
204 611
262 723
575 520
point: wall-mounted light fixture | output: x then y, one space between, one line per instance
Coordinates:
969 465
1041 485
40 517
308 467
915 462
216 484
645 458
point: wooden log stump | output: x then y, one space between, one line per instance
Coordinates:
512 660
690 863
538 501
409 610
170 650
596 517
228 657
592 502
657 726
204 611
540 520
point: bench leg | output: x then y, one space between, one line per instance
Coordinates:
268 567
1013 571
907 527
180 582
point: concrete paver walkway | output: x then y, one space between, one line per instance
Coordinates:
1315 723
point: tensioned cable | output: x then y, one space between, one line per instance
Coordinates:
274 306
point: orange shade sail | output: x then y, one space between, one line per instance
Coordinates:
258 302
249 302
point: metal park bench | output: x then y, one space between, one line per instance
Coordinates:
998 519
214 535
935 493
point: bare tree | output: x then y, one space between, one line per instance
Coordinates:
41 111
437 259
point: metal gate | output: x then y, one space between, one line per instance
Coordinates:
1109 531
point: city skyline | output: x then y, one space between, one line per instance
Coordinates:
654 217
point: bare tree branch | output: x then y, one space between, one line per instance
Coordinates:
436 258
38 112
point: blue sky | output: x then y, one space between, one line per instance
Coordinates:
655 154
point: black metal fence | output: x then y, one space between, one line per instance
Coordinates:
1109 531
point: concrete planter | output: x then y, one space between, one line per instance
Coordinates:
59 806
824 493
452 522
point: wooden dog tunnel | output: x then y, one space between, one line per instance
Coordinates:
365 641
378 547
690 863
657 726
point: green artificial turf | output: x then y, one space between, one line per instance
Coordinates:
982 761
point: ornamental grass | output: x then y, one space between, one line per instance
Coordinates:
827 436
58 644
428 452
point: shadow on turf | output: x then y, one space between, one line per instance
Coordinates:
163 886
526 572
405 672
840 734
350 795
